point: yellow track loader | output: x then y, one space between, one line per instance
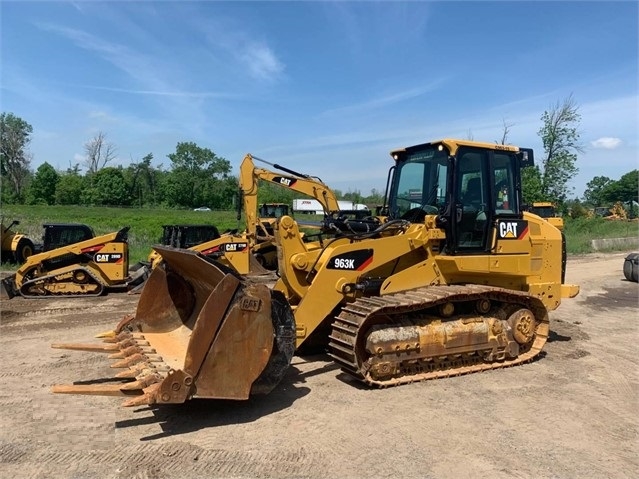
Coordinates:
87 268
548 211
452 280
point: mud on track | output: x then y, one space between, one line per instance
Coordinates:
571 413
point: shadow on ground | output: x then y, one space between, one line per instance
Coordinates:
198 414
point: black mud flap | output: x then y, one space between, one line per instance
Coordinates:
138 274
8 288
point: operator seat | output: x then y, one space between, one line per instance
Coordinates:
472 196
473 222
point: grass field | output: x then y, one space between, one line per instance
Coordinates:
146 224
581 231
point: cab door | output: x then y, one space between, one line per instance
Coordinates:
472 212
486 197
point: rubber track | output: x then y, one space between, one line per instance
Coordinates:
49 294
353 318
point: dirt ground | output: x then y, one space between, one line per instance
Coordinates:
573 413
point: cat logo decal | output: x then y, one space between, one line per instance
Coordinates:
512 229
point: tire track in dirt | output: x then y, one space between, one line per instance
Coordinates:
20 315
178 459
12 452
89 363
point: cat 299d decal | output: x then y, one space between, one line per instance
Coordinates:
117 258
512 229
352 261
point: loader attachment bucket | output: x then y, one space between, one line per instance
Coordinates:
8 288
199 331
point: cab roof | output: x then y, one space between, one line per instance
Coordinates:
453 144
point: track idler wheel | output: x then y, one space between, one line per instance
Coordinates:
523 325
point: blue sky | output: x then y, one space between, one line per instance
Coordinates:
325 88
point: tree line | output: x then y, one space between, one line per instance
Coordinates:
196 176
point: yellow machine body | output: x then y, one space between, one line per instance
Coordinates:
87 268
253 252
455 278
547 211
14 246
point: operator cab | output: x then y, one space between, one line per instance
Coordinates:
468 185
273 210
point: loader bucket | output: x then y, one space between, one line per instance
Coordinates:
199 331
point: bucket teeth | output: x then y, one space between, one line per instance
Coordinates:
132 342
96 389
127 374
127 343
129 361
142 383
90 347
142 400
147 398
141 369
124 335
135 359
117 338
106 334
130 351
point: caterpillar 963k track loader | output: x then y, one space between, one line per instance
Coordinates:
85 268
453 279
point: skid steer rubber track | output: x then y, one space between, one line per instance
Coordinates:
436 332
76 281
198 331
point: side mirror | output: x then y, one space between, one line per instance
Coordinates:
526 157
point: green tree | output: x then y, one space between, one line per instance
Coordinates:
624 190
221 194
197 177
15 136
375 198
42 188
531 180
268 192
70 187
595 189
354 196
560 137
576 209
142 178
109 188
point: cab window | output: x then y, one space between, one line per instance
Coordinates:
503 180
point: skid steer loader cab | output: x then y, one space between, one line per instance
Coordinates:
470 187
57 235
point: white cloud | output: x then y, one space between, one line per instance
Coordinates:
607 143
174 93
385 101
100 115
261 61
